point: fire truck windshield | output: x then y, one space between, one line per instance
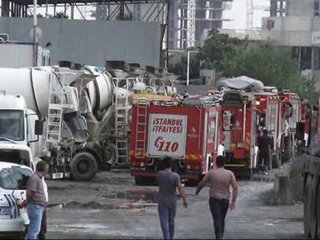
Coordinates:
295 115
11 124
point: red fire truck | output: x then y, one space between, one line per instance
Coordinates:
239 129
185 130
269 117
245 114
290 113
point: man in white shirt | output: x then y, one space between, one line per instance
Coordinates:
43 230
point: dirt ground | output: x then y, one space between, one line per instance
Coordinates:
112 207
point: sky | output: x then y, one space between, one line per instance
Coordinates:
237 14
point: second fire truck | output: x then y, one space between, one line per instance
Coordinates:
245 114
186 130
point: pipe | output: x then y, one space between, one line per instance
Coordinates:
244 122
34 37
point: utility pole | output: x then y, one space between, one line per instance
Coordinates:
34 35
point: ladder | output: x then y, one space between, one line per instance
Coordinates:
141 128
121 127
55 111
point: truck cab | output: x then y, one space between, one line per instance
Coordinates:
18 141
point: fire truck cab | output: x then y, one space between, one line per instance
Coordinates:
238 131
290 114
268 105
186 130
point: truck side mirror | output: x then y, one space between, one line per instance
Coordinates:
38 129
300 131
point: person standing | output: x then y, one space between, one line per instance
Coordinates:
265 146
37 199
219 181
167 199
43 228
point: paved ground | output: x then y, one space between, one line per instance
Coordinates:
111 206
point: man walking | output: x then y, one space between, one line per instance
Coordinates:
43 228
167 202
219 181
37 199
265 146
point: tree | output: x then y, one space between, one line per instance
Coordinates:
271 65
218 49
179 66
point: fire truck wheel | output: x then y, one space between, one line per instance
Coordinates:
314 208
193 182
142 181
111 154
307 199
276 161
318 210
83 166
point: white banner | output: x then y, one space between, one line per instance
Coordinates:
167 135
315 38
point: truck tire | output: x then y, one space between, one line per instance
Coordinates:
83 166
112 154
276 161
306 224
318 209
314 208
142 181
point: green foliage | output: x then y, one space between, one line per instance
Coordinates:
179 66
218 49
273 66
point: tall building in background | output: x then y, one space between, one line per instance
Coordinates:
189 19
295 24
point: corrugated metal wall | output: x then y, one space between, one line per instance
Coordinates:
91 42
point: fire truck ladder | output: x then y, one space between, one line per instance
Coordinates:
141 128
121 126
55 111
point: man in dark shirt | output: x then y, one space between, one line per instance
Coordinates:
265 145
167 202
37 199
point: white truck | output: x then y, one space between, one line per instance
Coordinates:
21 54
86 113
50 98
13 129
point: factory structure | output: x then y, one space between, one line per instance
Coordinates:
296 24
169 25
189 19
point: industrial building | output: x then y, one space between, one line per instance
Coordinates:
190 18
133 31
296 24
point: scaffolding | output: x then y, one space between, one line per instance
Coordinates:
278 8
190 18
154 10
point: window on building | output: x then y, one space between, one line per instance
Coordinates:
316 8
316 57
278 8
305 61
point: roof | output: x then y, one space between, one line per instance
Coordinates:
14 146
241 83
43 2
16 102
251 35
151 97
9 165
194 89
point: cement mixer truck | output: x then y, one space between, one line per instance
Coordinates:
49 97
86 117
